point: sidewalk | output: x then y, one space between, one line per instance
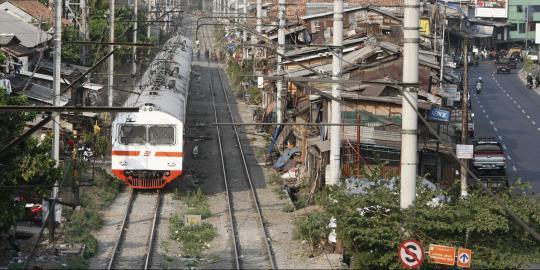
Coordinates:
523 77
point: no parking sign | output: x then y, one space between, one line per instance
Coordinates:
411 254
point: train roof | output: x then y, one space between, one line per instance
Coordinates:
165 84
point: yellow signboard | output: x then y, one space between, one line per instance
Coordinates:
424 27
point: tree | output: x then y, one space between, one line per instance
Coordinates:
371 226
28 163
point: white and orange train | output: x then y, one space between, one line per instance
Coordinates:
148 145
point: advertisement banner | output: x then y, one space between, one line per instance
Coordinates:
491 8
537 36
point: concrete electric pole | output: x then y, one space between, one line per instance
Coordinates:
281 51
335 134
259 18
83 31
245 38
56 102
111 48
409 126
135 30
465 114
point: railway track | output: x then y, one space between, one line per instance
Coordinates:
134 245
250 238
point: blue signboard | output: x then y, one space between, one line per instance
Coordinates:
438 115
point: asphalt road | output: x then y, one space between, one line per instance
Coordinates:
509 111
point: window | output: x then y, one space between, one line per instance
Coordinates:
161 134
131 134
519 8
512 27
521 28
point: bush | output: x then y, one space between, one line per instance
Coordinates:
197 204
75 262
194 238
78 228
313 228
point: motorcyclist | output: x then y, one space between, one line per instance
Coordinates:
537 80
529 80
479 83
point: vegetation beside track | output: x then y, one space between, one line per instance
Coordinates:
194 238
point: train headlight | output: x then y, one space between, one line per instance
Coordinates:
127 173
167 173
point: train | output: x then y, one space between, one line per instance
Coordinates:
148 145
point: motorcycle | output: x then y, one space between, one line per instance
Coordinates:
529 84
478 88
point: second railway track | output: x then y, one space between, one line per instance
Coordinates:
252 248
134 245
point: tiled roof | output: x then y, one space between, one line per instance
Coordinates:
35 9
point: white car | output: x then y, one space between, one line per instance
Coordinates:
532 55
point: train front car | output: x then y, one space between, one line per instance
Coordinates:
147 150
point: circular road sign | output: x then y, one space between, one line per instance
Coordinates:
411 254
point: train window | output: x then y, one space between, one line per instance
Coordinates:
161 134
130 134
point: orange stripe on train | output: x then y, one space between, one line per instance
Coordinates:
169 154
125 153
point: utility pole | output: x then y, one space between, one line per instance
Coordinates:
409 126
245 38
148 18
259 18
335 134
134 58
281 51
442 49
111 48
56 102
83 31
465 114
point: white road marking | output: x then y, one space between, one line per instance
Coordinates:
514 168
533 122
509 157
523 111
491 123
515 102
481 106
519 106
500 137
538 129
487 116
507 95
504 146
496 130
484 111
528 117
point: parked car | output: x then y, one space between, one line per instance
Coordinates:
532 55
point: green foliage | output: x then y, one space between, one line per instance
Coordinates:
78 229
2 57
528 64
197 204
103 193
75 262
100 144
255 95
27 163
194 238
372 226
98 29
313 228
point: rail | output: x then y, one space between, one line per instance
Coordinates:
256 202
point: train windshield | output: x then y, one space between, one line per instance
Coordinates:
131 134
161 134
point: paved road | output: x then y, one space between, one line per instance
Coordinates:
508 110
